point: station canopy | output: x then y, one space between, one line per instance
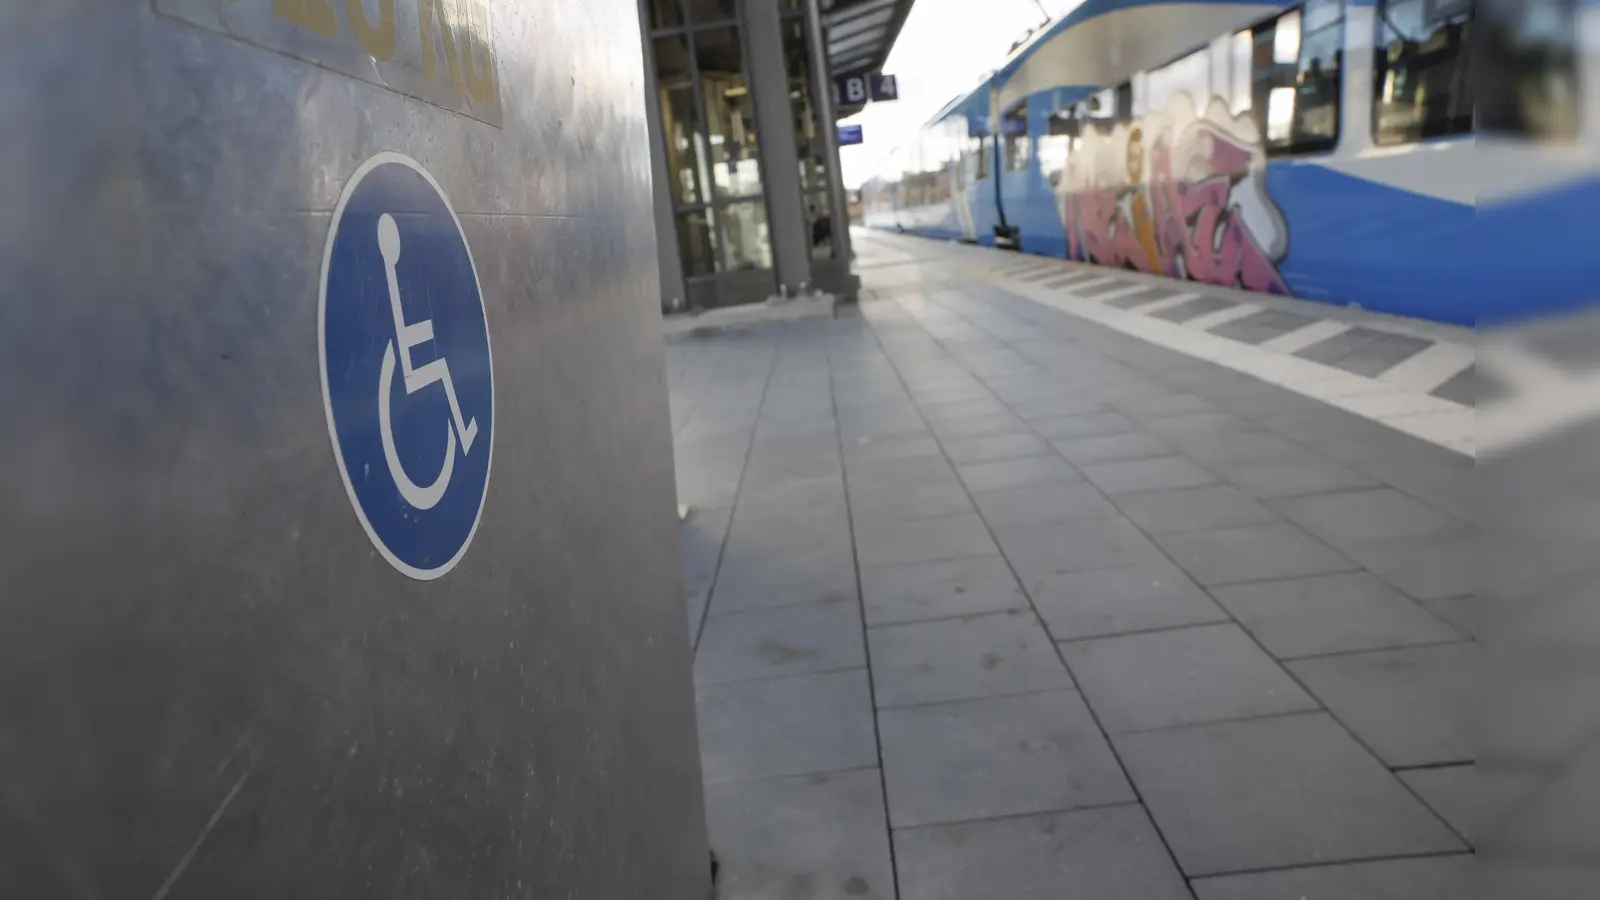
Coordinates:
860 34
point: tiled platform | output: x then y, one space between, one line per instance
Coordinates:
992 601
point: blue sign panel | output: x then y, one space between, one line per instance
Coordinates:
849 134
407 378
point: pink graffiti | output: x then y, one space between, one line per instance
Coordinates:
1184 223
1101 234
1196 220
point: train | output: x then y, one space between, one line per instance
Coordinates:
1437 159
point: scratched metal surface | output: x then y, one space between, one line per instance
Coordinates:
211 685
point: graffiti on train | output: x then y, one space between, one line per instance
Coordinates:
1176 194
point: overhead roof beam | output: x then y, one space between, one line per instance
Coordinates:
840 15
874 21
868 40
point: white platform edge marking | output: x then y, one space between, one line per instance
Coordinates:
1222 317
1119 292
1305 336
1437 421
1430 369
1150 309
1087 284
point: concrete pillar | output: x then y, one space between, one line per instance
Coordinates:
780 160
672 286
838 206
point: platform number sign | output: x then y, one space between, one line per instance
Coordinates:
407 376
857 90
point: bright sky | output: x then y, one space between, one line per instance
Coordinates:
945 47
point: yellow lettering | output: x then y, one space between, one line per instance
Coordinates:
312 15
434 18
377 42
480 83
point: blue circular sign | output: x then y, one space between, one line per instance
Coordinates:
407 377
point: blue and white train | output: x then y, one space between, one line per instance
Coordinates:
1428 158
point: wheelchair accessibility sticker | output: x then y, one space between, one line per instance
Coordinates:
407 378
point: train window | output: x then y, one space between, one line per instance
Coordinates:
978 147
1526 65
1122 107
1014 128
1420 74
1297 68
1064 123
1242 49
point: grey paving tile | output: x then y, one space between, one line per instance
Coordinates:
1429 568
1060 403
1240 446
1463 388
964 659
1068 281
1376 514
786 726
1258 328
927 500
1275 792
1039 551
820 835
1332 614
1429 878
956 410
1100 290
1462 612
1140 298
1290 476
767 586
993 447
1176 427
979 426
1162 403
901 473
774 540
1015 755
931 590
1113 447
896 447
1473 804
1083 426
700 542
1038 504
1130 476
1102 602
1041 274
881 424
1378 356
947 537
1251 553
1106 854
1008 473
1194 309
785 497
793 640
1365 351
1186 509
1162 679
1407 705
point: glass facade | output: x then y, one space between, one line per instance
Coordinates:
717 178
709 127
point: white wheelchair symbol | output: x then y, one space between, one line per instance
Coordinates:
438 371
